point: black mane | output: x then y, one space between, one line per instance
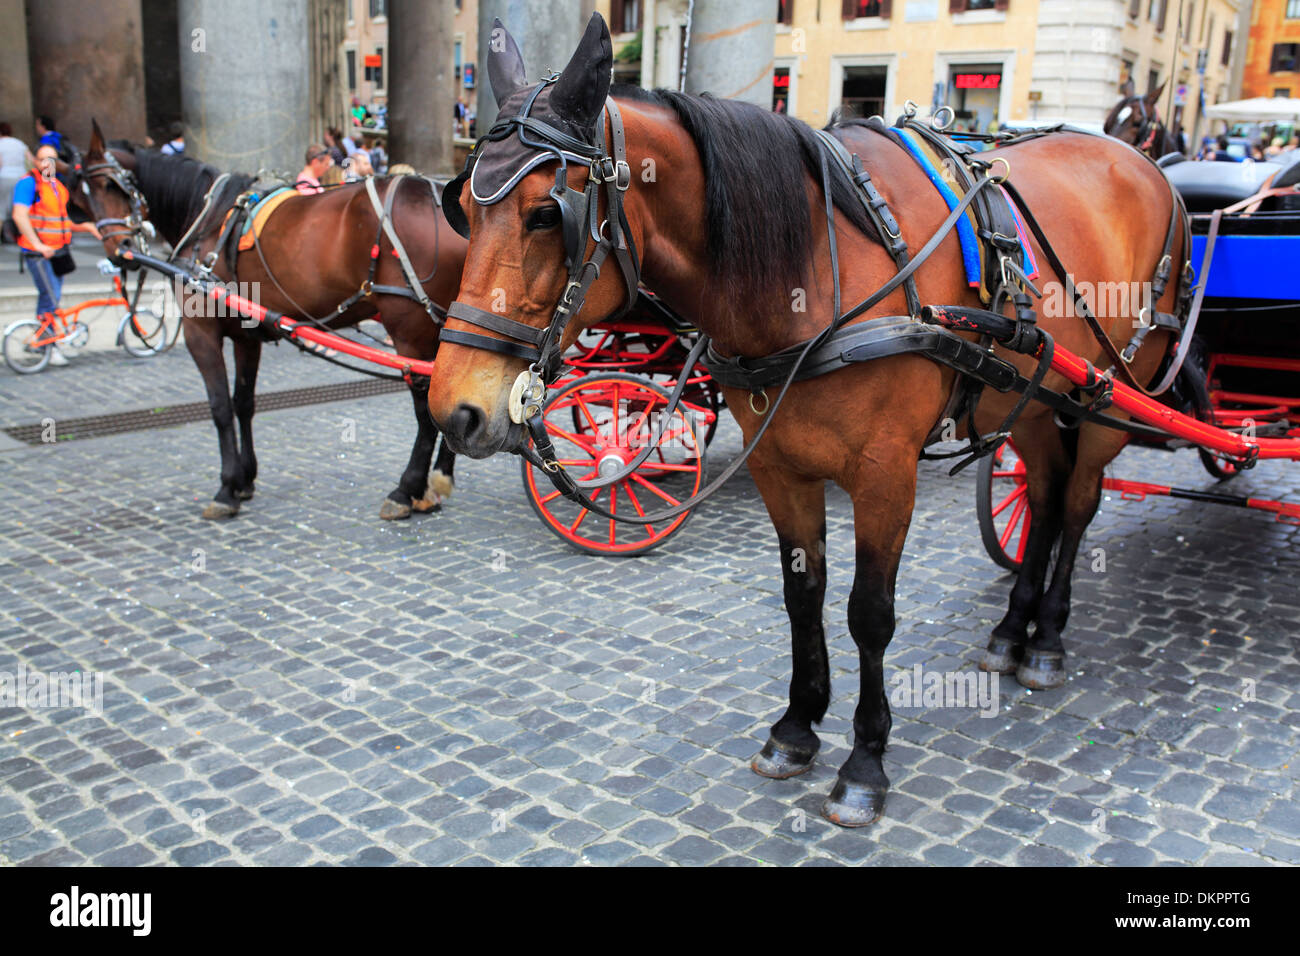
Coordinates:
755 161
175 186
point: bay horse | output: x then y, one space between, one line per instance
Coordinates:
725 216
312 255
1136 120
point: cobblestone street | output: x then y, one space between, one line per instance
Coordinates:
306 683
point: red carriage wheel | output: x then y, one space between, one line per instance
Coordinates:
616 415
1002 506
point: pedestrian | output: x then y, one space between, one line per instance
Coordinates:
379 157
357 167
318 160
47 135
460 112
176 145
401 169
13 166
45 233
349 145
337 153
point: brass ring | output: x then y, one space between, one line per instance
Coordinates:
934 120
1006 165
551 465
767 403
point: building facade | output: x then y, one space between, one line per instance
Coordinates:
1273 60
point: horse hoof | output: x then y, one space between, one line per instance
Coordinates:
1002 656
1042 670
244 493
440 485
853 805
392 510
217 511
425 505
780 761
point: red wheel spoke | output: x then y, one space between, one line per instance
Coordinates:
584 443
1011 524
587 414
613 509
666 466
636 503
662 494
1014 496
583 512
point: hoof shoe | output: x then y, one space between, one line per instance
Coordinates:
218 511
853 804
392 510
1002 656
779 761
1042 670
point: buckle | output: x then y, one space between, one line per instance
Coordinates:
623 175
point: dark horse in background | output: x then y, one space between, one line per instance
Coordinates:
312 255
1136 121
726 240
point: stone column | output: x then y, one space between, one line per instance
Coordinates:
15 75
731 51
420 100
86 62
245 82
547 32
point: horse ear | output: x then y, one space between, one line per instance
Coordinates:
1128 88
1155 94
96 139
505 65
580 92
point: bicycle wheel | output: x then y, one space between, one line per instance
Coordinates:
143 333
20 355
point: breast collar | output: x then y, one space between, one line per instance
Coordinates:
580 219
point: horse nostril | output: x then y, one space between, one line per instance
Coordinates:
466 421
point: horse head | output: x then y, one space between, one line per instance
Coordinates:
535 202
1136 121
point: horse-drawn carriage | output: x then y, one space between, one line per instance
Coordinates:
1247 345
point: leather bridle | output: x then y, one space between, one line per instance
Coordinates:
135 224
580 220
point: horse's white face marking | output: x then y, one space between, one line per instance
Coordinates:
1124 114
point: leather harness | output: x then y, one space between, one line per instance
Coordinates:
928 331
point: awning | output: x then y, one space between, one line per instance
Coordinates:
1261 109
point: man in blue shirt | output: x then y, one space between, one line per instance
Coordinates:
47 134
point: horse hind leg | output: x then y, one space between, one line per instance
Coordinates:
409 495
1046 463
798 511
442 481
1043 666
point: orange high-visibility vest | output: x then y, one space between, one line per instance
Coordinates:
49 215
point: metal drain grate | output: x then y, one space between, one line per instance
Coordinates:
96 426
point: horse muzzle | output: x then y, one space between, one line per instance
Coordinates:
471 431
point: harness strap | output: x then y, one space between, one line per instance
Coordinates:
385 214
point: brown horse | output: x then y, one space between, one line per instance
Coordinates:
1136 120
725 211
313 255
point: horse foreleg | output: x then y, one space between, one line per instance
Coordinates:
248 356
798 510
882 511
203 339
409 495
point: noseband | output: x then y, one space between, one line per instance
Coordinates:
580 220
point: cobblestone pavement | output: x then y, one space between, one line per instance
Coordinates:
308 684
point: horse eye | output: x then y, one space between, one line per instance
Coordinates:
546 217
